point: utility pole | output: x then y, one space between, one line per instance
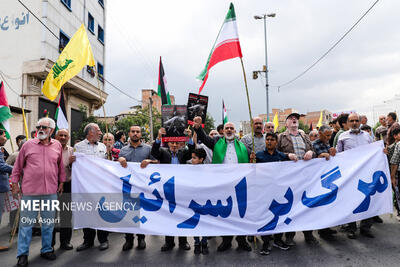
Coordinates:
151 119
264 17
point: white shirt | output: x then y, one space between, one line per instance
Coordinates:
230 156
97 149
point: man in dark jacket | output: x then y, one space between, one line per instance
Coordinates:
172 155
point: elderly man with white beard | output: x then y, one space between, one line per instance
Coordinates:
40 164
226 150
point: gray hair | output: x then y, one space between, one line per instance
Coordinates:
50 121
109 135
89 127
324 128
230 123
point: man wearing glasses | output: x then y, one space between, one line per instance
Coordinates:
348 140
40 163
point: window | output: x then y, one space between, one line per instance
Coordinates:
67 4
101 2
91 23
64 39
100 70
100 34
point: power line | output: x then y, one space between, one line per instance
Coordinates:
122 92
58 38
329 50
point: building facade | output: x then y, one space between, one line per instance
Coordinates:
156 99
29 51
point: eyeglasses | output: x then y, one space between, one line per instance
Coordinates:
268 127
44 127
353 120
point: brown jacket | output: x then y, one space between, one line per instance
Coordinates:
285 143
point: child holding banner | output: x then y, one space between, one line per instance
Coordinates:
271 154
198 157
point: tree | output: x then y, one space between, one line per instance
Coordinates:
304 127
209 123
79 134
140 117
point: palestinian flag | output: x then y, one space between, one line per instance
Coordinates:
162 86
5 112
226 45
61 114
224 114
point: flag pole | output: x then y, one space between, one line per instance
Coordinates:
102 104
25 124
248 102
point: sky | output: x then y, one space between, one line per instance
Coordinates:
362 71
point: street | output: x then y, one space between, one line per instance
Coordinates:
383 250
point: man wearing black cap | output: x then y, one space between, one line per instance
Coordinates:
296 141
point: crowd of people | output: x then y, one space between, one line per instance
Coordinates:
41 170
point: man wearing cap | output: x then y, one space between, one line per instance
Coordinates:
296 141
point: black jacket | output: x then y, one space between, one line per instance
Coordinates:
163 154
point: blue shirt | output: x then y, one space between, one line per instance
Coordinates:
118 145
174 158
264 156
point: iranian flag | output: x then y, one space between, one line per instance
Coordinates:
226 46
224 113
61 114
162 86
5 112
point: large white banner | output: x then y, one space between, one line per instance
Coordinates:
241 199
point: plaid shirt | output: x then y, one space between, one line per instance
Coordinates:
320 147
298 145
395 158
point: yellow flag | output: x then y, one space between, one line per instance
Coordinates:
76 55
320 120
276 122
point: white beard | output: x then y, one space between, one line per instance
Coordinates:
230 137
42 136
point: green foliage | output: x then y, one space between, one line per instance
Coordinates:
80 135
209 124
140 117
304 127
281 130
